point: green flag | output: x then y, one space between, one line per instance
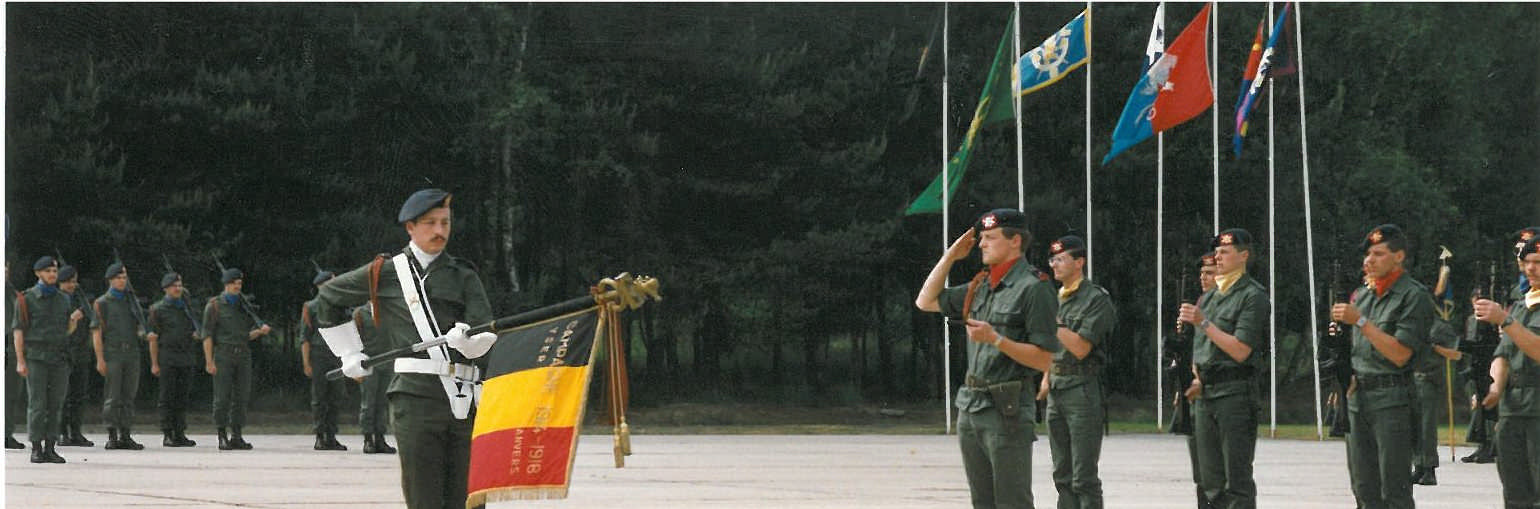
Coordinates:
994 107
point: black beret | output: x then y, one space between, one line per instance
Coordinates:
1522 236
1529 247
1380 234
321 276
421 202
1074 245
1206 260
1001 217
230 274
67 272
44 262
113 270
1231 237
169 279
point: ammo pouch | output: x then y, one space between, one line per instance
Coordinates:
1007 397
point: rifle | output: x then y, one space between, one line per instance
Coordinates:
1178 364
241 297
186 296
137 309
1338 361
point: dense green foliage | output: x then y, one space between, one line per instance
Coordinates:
754 157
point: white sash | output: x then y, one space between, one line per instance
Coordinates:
462 394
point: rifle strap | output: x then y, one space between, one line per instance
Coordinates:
973 288
21 309
374 287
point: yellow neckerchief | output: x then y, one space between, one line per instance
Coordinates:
1069 288
1224 281
1532 297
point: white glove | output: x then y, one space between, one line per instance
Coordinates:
473 346
353 365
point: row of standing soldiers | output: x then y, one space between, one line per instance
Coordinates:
60 336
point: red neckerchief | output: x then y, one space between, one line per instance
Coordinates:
998 271
1382 285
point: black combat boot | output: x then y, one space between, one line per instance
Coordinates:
1427 478
38 456
112 440
369 447
381 445
128 442
1484 454
180 435
78 439
224 441
332 444
11 443
67 438
50 454
320 442
168 438
237 441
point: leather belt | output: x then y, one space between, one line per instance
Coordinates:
1372 382
1219 375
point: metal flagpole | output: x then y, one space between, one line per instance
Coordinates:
1214 87
946 323
1304 156
1021 175
1272 257
1160 279
1089 231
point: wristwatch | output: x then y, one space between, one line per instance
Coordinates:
1361 321
1203 325
999 339
1506 322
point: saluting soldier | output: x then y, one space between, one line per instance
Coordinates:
1230 333
15 385
419 294
1009 309
372 408
82 356
229 327
1076 406
325 395
1391 317
41 328
174 353
117 357
1516 384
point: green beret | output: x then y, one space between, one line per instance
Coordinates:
230 274
113 270
67 273
421 202
169 279
44 262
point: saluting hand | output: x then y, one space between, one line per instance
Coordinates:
961 247
1345 313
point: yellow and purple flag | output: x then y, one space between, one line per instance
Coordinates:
1258 68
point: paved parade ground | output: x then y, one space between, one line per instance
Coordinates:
694 471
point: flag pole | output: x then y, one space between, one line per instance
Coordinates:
1214 86
946 179
1304 156
1089 230
1272 257
1021 175
1160 214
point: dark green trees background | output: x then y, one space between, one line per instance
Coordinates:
754 157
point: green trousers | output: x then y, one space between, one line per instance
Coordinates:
232 388
435 451
1430 398
373 409
326 396
1225 433
1197 478
997 456
1075 421
81 371
122 385
1518 461
1380 455
47 384
15 395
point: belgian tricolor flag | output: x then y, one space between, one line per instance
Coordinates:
532 403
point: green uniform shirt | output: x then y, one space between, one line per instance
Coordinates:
171 319
1241 312
1405 311
80 341
1090 313
1521 398
1440 334
120 328
1022 308
454 293
228 323
44 324
309 334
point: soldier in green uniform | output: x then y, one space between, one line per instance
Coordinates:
174 358
372 407
1009 310
1230 335
325 395
15 385
419 294
82 360
229 327
1516 383
1429 375
1076 406
1391 317
117 356
40 329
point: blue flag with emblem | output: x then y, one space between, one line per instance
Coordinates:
1062 52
